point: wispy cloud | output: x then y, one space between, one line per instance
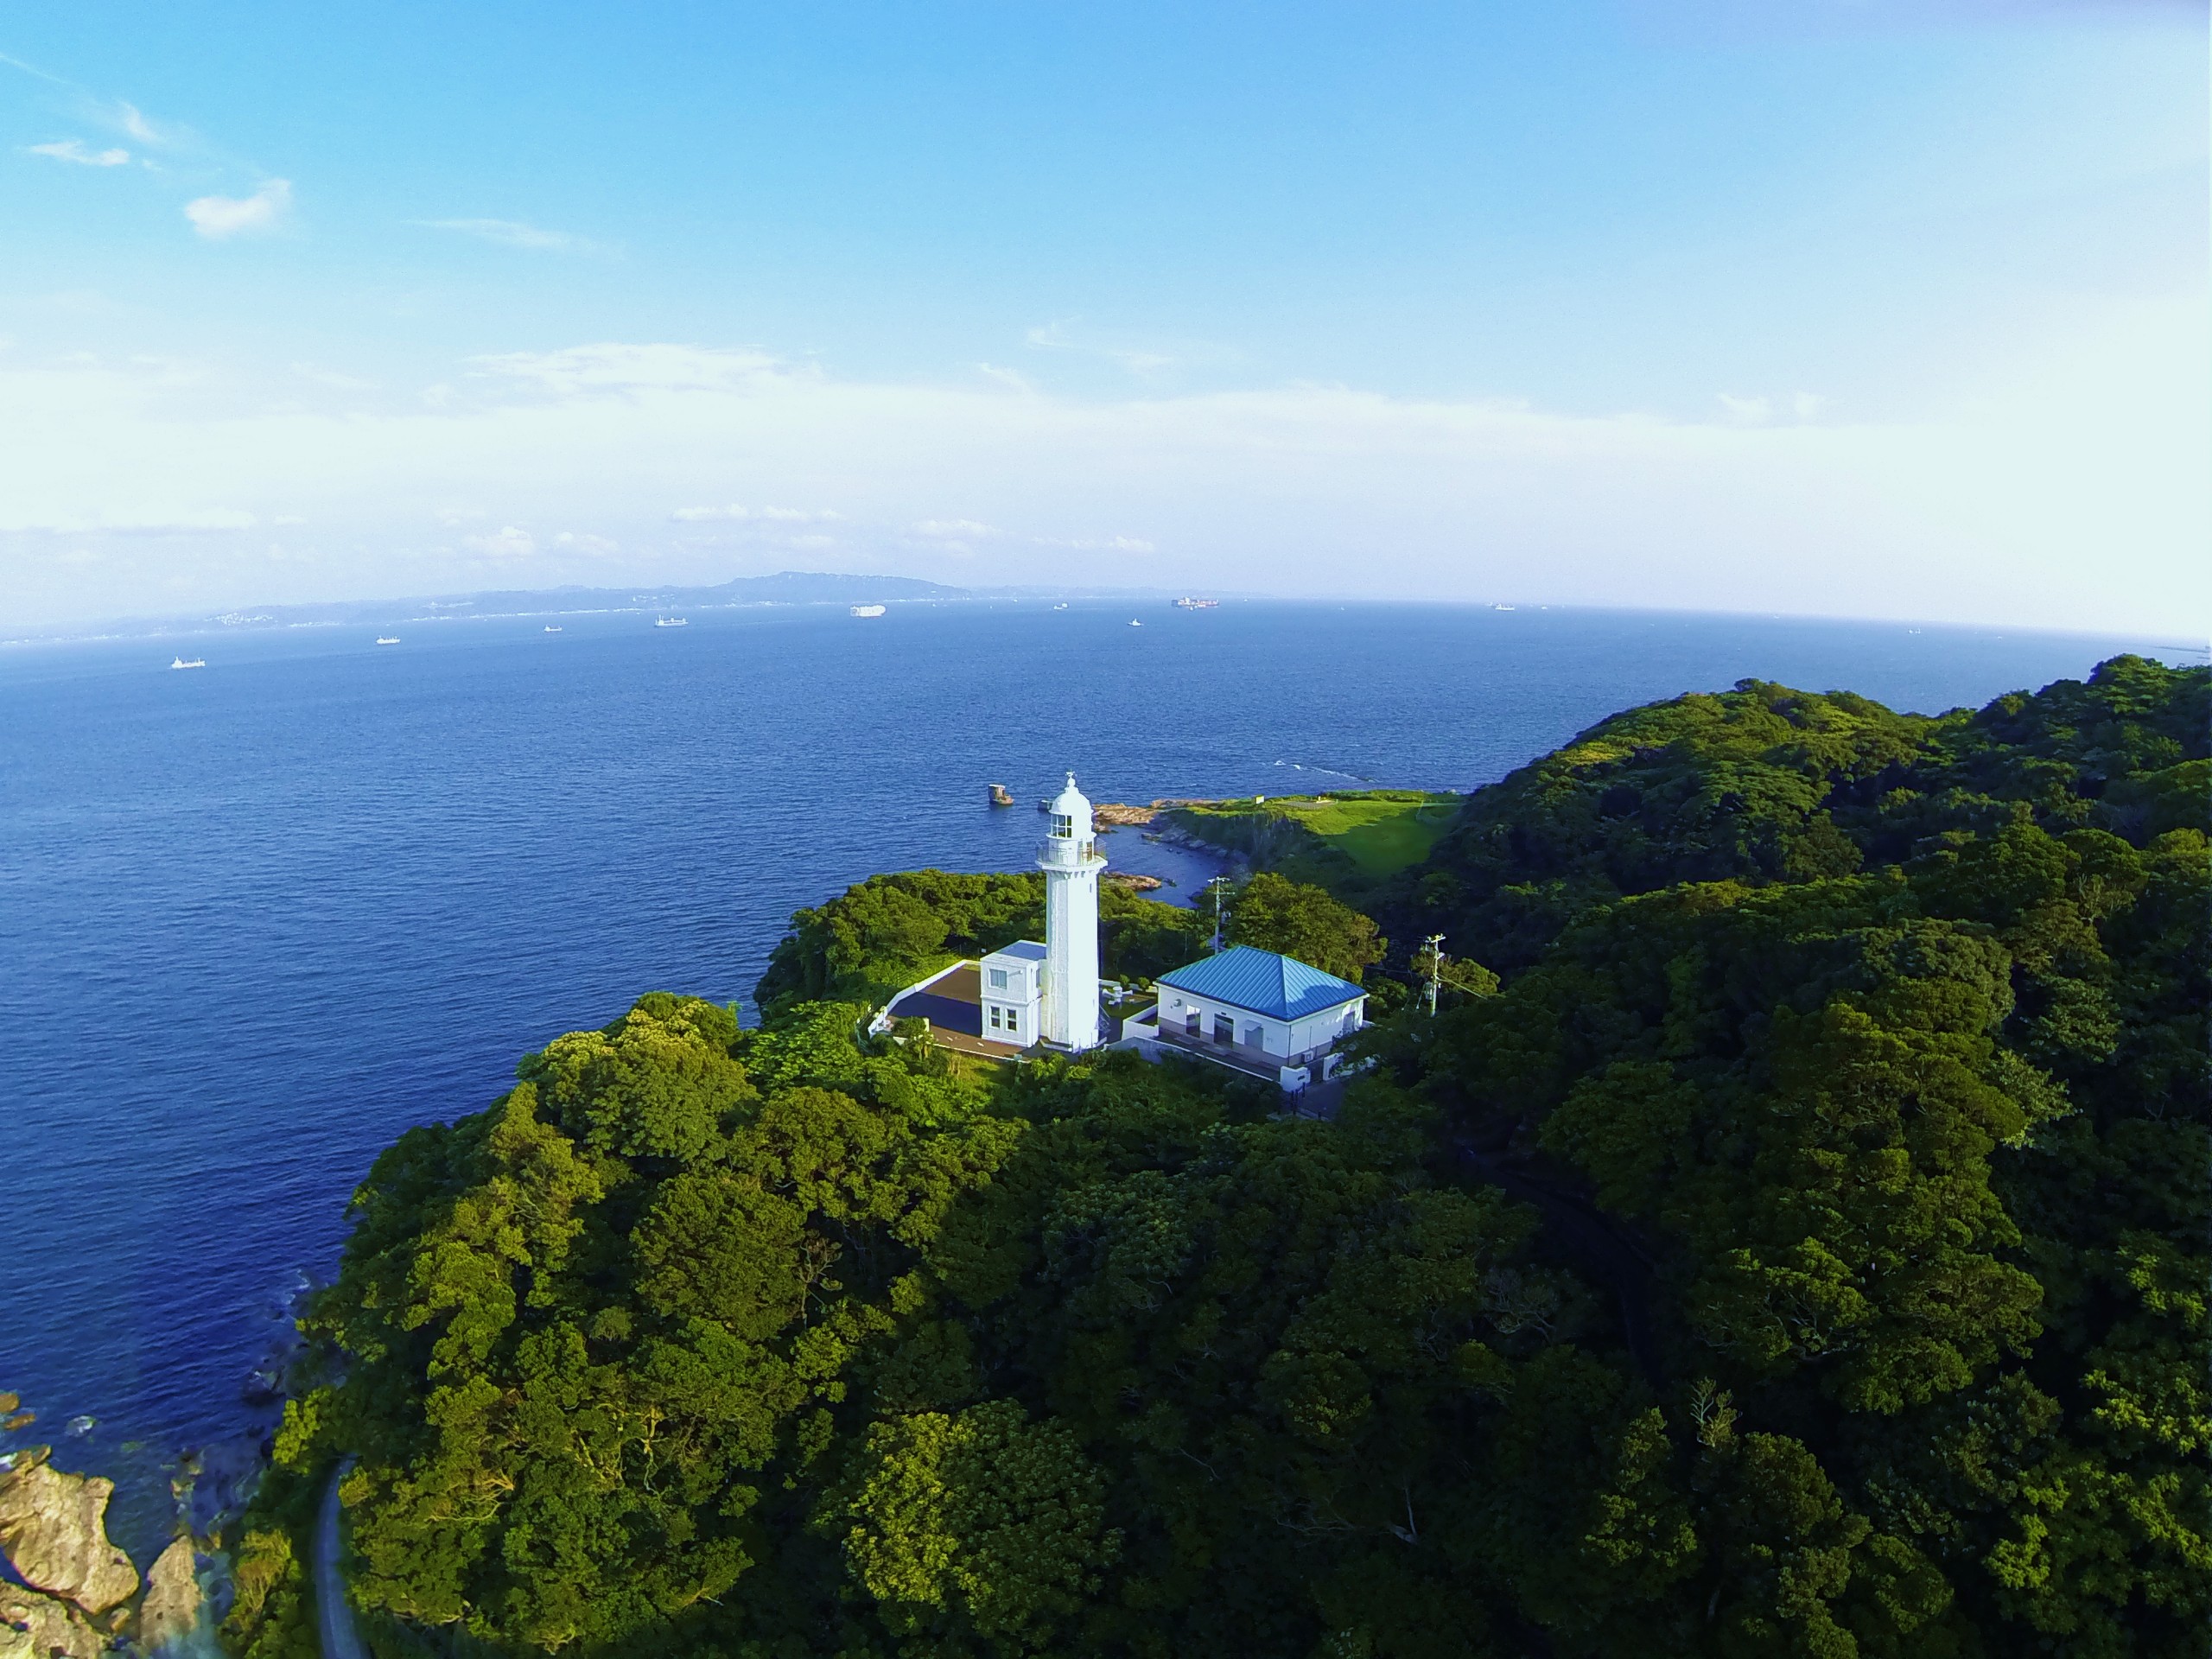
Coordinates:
133 120
73 149
613 367
1760 411
1977 509
1109 545
32 69
332 378
509 542
1139 360
577 541
513 233
218 218
737 514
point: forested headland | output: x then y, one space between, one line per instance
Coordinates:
1797 1248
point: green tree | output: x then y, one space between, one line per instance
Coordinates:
1304 922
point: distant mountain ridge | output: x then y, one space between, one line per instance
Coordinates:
784 588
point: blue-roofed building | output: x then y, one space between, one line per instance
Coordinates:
1256 1010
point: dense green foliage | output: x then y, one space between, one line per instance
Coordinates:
1764 784
1304 922
888 930
1802 1251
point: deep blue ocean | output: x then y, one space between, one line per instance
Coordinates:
256 918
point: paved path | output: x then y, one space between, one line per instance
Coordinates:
341 1638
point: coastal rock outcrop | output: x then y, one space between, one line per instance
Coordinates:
170 1613
32 1626
53 1528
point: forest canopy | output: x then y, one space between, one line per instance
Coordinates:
1801 1251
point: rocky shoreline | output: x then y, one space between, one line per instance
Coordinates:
81 1595
1110 815
69 1592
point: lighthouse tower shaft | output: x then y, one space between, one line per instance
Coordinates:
1072 864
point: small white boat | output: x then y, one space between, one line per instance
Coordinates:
1062 605
1500 607
1134 623
387 639
197 662
550 628
670 622
868 610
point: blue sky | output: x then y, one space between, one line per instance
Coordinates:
1891 310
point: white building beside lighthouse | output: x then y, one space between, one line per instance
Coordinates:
1027 996
1072 864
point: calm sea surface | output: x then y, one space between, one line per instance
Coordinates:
256 918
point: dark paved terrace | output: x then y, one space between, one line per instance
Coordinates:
954 1007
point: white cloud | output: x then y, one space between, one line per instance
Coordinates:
134 123
2067 491
740 514
577 542
330 378
73 149
611 367
148 518
506 543
1763 410
1139 360
512 233
1110 545
219 216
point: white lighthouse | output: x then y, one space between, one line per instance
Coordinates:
1072 864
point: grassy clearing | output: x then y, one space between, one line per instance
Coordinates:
1382 831
1376 832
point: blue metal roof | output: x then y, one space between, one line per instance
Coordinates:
1261 982
1027 950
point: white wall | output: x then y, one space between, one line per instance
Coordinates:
1279 1037
1018 1003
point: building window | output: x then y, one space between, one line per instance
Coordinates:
992 1010
1013 1019
1062 825
998 979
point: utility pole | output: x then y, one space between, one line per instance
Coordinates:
1436 942
1220 885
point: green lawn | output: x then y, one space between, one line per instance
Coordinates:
1381 831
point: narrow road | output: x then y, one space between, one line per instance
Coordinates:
341 1638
